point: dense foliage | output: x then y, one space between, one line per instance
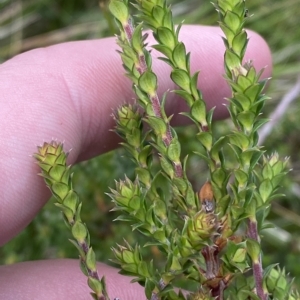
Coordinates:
80 20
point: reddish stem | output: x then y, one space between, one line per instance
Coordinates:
167 139
257 266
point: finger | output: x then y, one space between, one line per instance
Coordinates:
68 92
61 279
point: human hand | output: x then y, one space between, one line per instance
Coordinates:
67 92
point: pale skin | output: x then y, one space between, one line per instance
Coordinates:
68 92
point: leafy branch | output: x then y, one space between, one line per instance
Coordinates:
52 160
210 239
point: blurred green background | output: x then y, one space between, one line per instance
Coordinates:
27 24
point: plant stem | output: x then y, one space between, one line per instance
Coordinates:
141 67
52 161
256 264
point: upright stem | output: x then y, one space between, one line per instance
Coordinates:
154 99
257 264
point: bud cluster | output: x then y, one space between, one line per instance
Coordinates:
278 286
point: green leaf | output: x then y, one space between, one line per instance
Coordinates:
246 119
251 205
239 139
149 287
181 184
134 139
79 231
241 10
82 254
259 123
60 190
71 201
128 62
253 91
232 60
182 79
205 139
166 37
240 42
132 76
253 249
160 209
158 125
217 147
69 214
158 14
168 19
148 82
174 150
149 110
179 56
254 155
241 177
228 32
222 203
135 203
267 171
119 10
236 212
91 260
265 189
56 172
145 155
243 82
149 220
95 285
130 269
144 176
190 197
194 86
45 167
219 177
240 255
164 50
241 101
78 210
232 21
127 256
198 111
278 168
186 96
137 40
224 6
167 166
160 235
210 115
172 263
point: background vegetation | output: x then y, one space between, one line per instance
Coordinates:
27 24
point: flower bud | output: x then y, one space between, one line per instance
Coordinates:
206 197
277 284
202 226
128 117
127 194
202 295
